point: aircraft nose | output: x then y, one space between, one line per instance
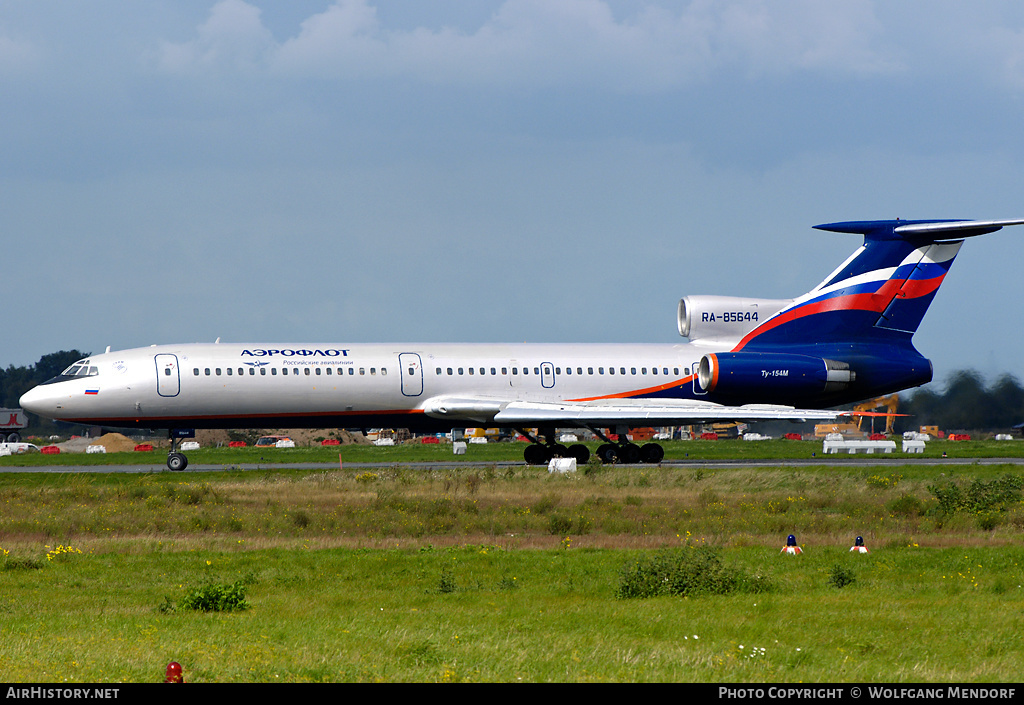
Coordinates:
39 401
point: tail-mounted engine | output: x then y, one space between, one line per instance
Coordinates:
724 319
771 376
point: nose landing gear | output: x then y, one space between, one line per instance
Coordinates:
176 460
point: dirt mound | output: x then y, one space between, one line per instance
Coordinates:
213 438
113 442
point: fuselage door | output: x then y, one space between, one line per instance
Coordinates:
412 374
168 381
547 375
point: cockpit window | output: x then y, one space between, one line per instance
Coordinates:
82 368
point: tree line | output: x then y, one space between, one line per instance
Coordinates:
966 403
15 381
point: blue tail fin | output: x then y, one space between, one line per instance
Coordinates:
880 294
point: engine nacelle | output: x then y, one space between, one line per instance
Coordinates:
724 318
771 376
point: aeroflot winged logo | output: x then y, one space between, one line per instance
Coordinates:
288 352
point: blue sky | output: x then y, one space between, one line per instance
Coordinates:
491 170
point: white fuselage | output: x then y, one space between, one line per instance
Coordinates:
351 385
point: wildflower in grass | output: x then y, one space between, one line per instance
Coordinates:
60 551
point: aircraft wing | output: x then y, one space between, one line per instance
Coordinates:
605 412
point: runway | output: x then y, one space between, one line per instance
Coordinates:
835 461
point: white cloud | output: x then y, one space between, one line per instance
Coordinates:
233 36
551 42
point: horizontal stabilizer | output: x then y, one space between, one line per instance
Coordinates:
917 229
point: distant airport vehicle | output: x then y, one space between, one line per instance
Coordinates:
275 442
747 360
12 422
15 448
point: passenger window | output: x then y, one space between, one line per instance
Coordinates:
632 370
504 370
373 370
306 370
263 371
470 370
449 371
273 371
611 370
252 371
438 370
217 372
579 370
318 371
195 371
229 371
676 371
362 370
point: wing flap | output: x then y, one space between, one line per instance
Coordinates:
643 412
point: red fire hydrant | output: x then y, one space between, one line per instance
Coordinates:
174 674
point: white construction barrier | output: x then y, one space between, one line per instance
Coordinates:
562 465
459 448
96 449
851 447
913 446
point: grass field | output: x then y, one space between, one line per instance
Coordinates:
494 452
484 573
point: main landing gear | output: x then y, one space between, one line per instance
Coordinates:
626 451
540 452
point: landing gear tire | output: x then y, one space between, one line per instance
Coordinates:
651 453
629 453
608 453
176 462
580 452
559 451
537 454
13 438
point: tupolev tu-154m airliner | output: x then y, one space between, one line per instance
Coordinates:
846 340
